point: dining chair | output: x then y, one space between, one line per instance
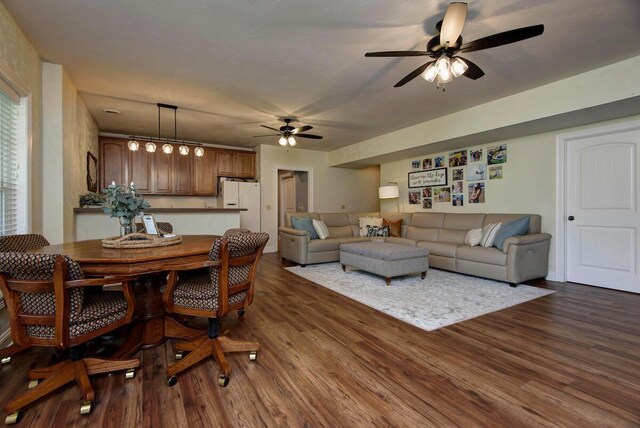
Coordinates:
235 231
227 285
51 304
22 243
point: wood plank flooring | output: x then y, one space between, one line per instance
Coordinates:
568 359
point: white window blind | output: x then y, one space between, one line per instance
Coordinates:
12 150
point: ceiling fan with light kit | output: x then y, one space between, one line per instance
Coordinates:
287 133
444 48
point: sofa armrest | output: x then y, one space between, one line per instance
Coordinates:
292 231
533 238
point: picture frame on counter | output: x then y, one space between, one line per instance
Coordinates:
429 178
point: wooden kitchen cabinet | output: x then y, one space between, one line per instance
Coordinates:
183 172
236 164
205 176
140 169
114 162
162 172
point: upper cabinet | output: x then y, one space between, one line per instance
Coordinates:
236 164
171 174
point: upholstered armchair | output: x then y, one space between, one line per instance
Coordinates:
22 243
51 304
226 285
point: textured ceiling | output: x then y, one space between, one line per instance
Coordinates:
231 65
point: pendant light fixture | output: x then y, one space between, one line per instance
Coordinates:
150 146
133 144
198 151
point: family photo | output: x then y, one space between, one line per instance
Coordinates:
476 193
497 154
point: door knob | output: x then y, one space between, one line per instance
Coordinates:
571 218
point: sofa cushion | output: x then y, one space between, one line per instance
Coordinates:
464 222
319 245
473 237
444 249
489 234
289 216
354 218
305 223
395 226
489 255
422 233
353 239
368 221
377 231
402 241
534 225
384 251
335 219
513 228
340 231
452 236
320 228
428 220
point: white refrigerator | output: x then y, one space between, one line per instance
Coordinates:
238 194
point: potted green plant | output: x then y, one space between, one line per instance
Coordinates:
121 202
91 199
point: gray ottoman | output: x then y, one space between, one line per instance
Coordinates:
385 259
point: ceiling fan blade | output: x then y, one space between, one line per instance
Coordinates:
503 38
473 72
396 53
302 129
267 135
453 23
268 127
315 137
415 73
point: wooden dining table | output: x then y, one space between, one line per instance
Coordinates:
147 268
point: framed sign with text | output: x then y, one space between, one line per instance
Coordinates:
429 178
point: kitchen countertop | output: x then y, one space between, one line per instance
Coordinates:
168 210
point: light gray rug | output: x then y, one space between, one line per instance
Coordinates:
441 299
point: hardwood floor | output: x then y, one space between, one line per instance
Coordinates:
568 359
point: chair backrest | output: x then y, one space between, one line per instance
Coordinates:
233 280
22 243
31 284
164 227
235 231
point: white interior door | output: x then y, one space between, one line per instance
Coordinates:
603 223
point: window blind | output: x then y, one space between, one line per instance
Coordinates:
9 156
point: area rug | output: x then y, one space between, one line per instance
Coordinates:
441 299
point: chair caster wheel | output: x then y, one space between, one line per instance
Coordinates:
33 383
179 355
85 409
172 380
12 418
241 313
130 374
253 355
6 360
223 380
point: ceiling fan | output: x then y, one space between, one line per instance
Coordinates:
445 47
287 133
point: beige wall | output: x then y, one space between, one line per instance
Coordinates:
19 56
331 189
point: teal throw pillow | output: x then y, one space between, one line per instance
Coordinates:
304 223
513 228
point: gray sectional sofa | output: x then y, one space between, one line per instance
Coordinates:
521 258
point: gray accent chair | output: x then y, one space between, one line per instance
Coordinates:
520 259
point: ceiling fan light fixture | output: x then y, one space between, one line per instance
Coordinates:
443 63
458 67
282 141
133 144
291 141
444 77
183 150
198 151
430 73
150 147
167 148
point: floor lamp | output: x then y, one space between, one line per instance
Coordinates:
390 191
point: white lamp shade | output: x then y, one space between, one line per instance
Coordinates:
388 192
198 151
183 150
151 147
133 145
167 148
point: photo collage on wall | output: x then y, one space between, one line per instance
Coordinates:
470 171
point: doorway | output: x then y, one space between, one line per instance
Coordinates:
293 193
601 220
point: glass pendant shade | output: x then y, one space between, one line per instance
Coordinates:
198 151
443 63
291 141
183 150
430 73
133 145
150 146
282 141
444 76
458 67
167 148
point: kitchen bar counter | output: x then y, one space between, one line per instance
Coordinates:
93 223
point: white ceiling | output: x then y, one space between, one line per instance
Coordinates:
231 65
